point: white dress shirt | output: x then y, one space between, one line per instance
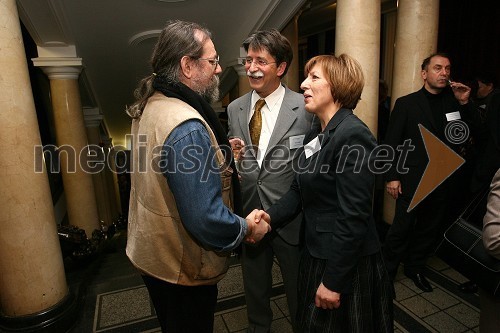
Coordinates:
270 113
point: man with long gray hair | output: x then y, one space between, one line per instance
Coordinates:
181 225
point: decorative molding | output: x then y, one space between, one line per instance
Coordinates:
56 50
60 68
46 21
58 12
280 14
142 36
104 131
28 22
92 117
266 14
57 62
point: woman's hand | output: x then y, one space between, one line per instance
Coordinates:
258 222
326 299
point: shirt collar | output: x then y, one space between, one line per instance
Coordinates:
271 99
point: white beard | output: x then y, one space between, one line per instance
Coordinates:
210 92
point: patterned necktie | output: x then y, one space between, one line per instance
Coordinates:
255 124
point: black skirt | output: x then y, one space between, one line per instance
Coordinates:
367 309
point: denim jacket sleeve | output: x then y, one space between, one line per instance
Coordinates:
188 163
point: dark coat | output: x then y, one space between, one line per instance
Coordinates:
334 187
410 111
488 160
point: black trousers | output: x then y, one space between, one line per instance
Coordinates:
412 236
182 309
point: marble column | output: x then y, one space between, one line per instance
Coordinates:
291 32
31 266
70 134
357 34
93 121
416 39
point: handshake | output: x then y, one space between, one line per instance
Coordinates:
258 222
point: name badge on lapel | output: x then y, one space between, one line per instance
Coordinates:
296 141
453 116
312 147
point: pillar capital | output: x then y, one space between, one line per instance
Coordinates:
61 68
92 117
240 69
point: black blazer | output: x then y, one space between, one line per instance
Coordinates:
410 111
334 190
488 160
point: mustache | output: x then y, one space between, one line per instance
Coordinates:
255 75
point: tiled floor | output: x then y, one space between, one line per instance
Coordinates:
117 301
445 309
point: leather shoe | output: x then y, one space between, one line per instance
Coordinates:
468 287
421 282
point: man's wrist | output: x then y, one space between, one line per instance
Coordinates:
249 229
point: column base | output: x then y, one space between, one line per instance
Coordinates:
59 318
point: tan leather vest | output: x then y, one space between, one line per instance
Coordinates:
158 244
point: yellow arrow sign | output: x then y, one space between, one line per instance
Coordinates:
443 162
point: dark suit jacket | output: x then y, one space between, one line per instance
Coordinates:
410 111
262 186
488 160
333 188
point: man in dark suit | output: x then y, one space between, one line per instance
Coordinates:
412 234
484 160
265 167
488 139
